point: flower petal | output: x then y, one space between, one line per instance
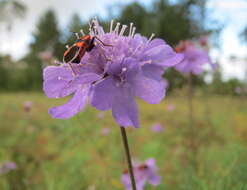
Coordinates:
124 108
56 81
150 90
75 105
125 178
152 176
155 42
103 93
153 71
85 78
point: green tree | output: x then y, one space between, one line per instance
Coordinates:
45 38
47 35
173 22
3 75
10 10
75 25
137 14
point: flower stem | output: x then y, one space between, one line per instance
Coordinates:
190 100
192 136
127 152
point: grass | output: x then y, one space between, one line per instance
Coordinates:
73 154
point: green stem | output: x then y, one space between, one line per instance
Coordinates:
127 152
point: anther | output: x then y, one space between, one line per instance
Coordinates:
130 31
124 69
133 32
67 46
111 26
117 28
77 35
83 34
123 29
151 37
56 62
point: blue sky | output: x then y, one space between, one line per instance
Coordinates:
233 13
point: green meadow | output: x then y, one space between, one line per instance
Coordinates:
73 154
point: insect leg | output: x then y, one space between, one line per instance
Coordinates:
103 42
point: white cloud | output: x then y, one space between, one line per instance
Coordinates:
230 4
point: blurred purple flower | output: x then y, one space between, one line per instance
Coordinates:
194 58
157 128
105 131
27 105
112 76
170 107
238 90
7 167
144 173
100 115
46 55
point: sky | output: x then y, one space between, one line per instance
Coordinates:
232 13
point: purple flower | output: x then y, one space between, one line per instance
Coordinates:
170 107
110 77
46 55
105 131
27 105
194 58
144 173
238 90
7 167
100 115
157 128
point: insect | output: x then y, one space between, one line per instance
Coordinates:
83 44
74 53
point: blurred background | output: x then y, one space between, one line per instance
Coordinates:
85 152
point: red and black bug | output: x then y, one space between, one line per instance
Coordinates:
74 53
83 44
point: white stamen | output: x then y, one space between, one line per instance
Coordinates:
82 33
130 31
77 35
111 26
117 28
56 62
151 37
90 29
133 32
67 46
124 69
95 30
123 29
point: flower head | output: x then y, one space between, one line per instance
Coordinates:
118 69
105 131
27 106
194 57
144 173
157 128
7 167
100 115
170 107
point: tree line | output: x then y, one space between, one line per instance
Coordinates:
185 19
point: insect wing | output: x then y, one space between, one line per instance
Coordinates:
71 54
